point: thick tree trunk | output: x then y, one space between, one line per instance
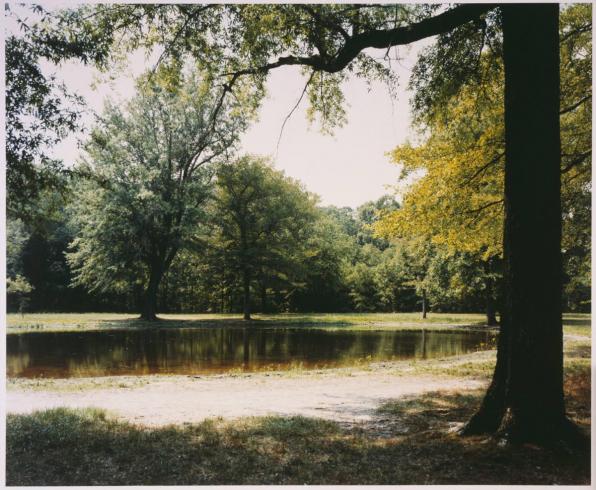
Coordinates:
424 303
524 402
246 294
149 310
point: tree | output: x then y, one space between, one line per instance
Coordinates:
261 220
368 215
458 201
39 113
329 254
147 180
17 286
530 405
363 287
393 283
329 42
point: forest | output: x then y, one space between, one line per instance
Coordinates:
182 311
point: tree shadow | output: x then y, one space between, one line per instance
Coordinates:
215 323
408 443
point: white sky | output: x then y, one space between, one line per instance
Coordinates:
346 169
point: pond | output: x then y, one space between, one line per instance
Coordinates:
219 350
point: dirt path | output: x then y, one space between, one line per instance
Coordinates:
178 399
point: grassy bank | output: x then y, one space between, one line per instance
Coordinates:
56 322
106 321
407 443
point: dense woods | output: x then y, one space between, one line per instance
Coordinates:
336 263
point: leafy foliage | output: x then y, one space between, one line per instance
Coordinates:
147 179
261 223
39 113
455 198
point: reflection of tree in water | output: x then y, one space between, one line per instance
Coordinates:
245 347
219 349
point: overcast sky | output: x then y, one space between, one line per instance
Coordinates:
346 169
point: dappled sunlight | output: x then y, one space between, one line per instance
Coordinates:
409 444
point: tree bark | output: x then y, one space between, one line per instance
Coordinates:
149 310
424 303
525 402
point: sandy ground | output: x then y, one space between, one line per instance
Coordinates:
167 400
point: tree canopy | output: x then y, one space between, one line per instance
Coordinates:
262 221
147 180
456 198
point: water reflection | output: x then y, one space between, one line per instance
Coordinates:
213 350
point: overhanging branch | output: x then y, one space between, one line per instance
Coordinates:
381 39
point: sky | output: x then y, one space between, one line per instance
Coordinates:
346 169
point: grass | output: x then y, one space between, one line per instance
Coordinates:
577 324
56 322
408 443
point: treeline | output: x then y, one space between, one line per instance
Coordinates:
160 214
299 257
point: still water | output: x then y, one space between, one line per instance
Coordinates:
210 350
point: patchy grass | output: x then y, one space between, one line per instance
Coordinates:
55 322
409 443
576 324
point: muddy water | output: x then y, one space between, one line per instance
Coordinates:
219 350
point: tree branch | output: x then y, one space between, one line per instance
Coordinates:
293 109
378 39
324 22
576 105
576 161
485 206
483 168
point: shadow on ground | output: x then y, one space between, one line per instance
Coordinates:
408 443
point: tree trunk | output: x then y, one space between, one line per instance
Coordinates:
424 303
149 310
491 316
524 402
246 295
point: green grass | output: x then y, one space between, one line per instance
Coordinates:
105 321
574 323
577 324
408 443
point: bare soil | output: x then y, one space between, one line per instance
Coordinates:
347 397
